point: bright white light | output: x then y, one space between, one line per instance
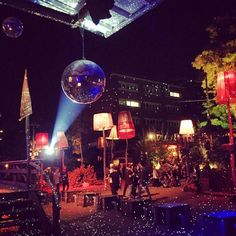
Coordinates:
151 136
49 150
132 103
53 142
174 94
90 25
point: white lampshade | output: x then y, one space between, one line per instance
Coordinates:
113 134
186 127
62 140
102 121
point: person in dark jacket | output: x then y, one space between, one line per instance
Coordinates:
115 179
136 179
144 179
65 180
128 180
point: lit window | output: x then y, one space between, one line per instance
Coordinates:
175 94
132 103
129 103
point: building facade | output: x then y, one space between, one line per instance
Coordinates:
155 107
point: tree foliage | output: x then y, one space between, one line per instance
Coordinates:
220 57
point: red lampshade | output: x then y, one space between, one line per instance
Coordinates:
226 87
126 128
41 140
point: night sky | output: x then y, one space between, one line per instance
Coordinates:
159 46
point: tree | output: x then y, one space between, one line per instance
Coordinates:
221 57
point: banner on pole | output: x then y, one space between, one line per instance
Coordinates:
25 106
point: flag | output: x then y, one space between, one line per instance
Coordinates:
25 106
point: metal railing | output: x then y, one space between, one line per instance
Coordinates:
14 174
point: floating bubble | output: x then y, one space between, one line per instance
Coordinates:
83 81
12 27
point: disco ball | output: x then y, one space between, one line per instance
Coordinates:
83 81
12 27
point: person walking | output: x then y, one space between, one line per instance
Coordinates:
144 179
136 179
114 179
128 179
65 180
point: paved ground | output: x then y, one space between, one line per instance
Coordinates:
77 220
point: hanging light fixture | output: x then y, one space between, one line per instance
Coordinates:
83 81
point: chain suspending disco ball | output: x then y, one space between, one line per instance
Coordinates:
83 81
12 27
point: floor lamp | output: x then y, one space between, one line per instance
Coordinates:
102 122
186 130
41 141
62 144
126 129
226 95
113 136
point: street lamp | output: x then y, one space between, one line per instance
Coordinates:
102 122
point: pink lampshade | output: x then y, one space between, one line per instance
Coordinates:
126 129
62 140
186 127
113 134
41 140
102 121
226 87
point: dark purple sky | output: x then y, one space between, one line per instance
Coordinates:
159 45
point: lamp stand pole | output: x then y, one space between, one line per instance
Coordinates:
27 137
41 175
62 159
112 155
126 153
104 158
231 141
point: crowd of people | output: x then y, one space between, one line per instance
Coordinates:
136 178
61 178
